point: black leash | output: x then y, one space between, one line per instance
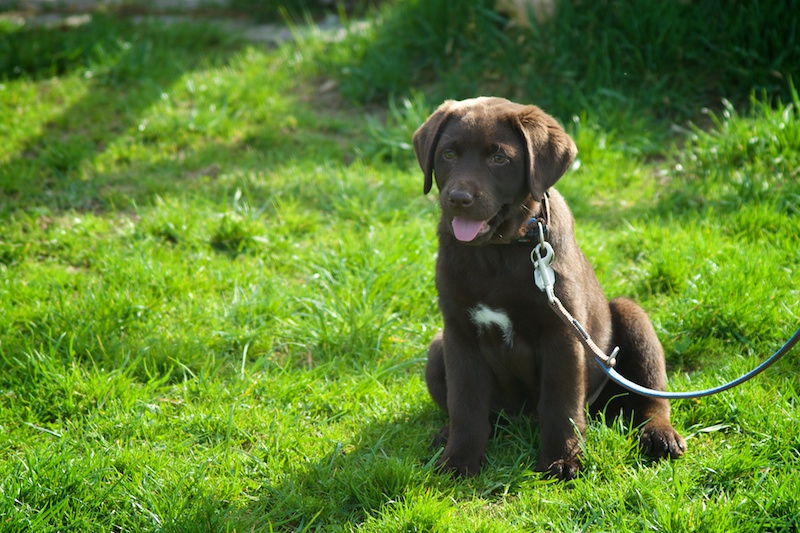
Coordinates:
638 389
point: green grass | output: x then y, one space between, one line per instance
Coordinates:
216 284
630 62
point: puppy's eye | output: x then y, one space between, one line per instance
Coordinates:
449 155
499 159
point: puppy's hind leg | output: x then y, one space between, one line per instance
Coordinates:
435 374
437 384
641 359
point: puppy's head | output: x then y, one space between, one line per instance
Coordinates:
491 159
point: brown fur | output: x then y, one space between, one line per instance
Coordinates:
493 160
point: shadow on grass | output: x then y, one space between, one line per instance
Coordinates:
387 468
129 67
101 153
387 472
660 59
353 481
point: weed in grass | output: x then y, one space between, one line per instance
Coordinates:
391 139
235 232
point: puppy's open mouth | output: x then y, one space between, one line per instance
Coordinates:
467 230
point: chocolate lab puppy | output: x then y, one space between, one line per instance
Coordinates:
503 348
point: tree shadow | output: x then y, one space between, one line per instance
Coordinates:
128 65
71 162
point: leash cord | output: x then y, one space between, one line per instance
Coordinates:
544 277
634 387
607 362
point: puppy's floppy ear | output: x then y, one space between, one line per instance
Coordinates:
550 151
427 137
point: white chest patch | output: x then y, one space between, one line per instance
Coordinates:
485 317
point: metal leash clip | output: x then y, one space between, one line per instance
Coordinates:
543 275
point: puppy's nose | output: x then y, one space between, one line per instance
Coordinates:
460 198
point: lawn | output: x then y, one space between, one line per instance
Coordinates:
216 267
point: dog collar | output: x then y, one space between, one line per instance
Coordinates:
532 232
532 235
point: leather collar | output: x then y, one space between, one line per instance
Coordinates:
531 236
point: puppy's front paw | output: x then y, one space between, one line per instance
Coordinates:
659 439
563 469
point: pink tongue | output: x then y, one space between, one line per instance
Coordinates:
466 230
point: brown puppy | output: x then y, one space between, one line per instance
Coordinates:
503 348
